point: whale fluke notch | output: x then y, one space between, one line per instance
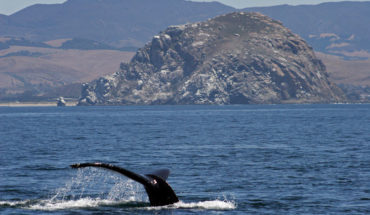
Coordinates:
159 191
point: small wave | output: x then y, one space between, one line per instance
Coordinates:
47 205
13 203
203 205
208 205
84 191
50 205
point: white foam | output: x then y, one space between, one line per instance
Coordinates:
47 205
52 205
208 205
13 203
203 205
77 193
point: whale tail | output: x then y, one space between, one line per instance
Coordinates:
159 191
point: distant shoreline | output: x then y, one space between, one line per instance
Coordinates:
34 104
71 104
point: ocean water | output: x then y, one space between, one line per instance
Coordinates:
247 159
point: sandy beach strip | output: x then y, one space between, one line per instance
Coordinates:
34 104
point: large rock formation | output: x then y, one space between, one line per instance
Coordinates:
238 58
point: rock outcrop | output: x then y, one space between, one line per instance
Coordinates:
61 102
237 58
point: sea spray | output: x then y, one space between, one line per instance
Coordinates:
93 188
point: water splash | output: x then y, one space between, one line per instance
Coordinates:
93 188
92 182
48 205
13 203
90 188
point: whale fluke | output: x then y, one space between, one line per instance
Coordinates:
159 191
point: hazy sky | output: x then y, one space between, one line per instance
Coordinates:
10 6
257 3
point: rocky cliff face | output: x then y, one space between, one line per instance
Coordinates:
238 58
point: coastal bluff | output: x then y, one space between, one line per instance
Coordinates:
237 58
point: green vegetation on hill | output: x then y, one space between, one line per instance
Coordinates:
23 54
85 44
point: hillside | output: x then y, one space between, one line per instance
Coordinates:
335 27
237 58
35 71
338 68
352 76
115 22
328 27
338 28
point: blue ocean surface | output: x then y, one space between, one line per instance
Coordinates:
247 159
